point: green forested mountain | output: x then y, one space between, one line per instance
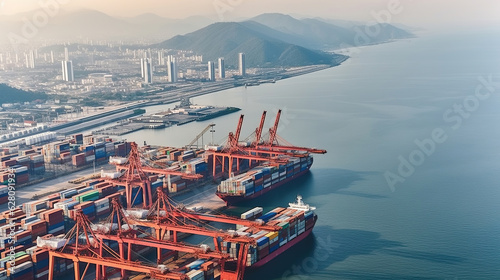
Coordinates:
12 95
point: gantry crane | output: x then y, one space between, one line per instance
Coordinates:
135 176
233 151
83 245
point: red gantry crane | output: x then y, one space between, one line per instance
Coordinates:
136 176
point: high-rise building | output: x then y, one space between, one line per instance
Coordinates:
66 54
52 57
222 71
161 58
211 71
32 59
67 71
29 59
142 67
148 71
172 69
241 64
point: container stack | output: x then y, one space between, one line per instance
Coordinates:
292 222
252 214
55 221
102 206
4 194
21 173
263 177
40 259
37 164
79 160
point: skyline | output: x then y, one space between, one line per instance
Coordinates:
424 13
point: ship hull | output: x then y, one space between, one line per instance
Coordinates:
235 199
282 249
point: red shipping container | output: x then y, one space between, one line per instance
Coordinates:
16 249
9 162
40 254
101 185
22 235
53 216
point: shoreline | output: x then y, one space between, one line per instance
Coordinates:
171 97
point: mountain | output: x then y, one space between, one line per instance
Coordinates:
14 95
93 25
262 48
317 33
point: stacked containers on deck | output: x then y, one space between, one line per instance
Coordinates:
304 161
252 256
240 185
273 241
233 249
262 246
292 223
252 214
309 221
195 275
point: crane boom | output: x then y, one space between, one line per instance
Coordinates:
274 129
238 130
258 131
210 126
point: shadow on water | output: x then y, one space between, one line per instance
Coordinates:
321 249
419 255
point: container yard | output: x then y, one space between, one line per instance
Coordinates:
125 224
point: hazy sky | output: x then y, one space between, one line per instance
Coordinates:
414 12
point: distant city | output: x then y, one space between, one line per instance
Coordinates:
50 83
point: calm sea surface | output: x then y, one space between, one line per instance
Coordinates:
441 218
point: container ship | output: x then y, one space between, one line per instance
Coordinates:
262 179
